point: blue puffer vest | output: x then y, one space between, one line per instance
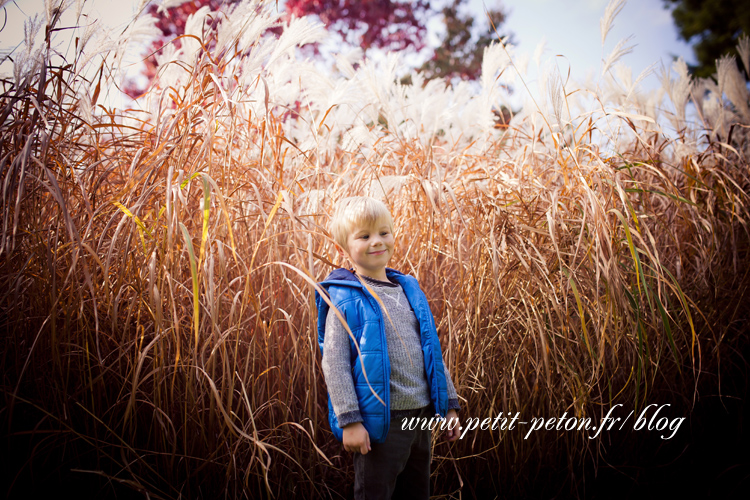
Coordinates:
365 319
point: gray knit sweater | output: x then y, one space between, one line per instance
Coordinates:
409 388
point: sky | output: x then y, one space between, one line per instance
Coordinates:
570 28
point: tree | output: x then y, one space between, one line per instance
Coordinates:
712 26
383 24
393 25
171 22
461 49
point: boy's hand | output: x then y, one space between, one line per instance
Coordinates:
452 430
356 438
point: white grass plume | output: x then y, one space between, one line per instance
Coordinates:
141 31
698 93
89 31
95 43
356 137
678 90
299 32
193 26
85 107
620 85
30 57
168 4
733 85
244 24
31 28
539 51
642 76
743 47
494 60
713 113
169 73
345 61
620 50
79 8
54 8
551 83
610 12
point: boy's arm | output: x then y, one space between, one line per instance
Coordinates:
337 371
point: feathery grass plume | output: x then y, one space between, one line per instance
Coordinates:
620 50
345 61
79 8
378 82
732 83
610 13
94 46
91 29
194 35
634 86
27 62
539 51
553 90
53 9
496 61
165 5
264 17
713 107
358 138
701 88
299 32
427 107
678 90
139 32
743 47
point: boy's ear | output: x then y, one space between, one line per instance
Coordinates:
340 250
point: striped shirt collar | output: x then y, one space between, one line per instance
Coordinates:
373 281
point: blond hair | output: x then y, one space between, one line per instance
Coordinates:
357 210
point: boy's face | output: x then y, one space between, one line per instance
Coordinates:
371 247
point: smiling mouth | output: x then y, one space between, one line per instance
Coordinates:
377 253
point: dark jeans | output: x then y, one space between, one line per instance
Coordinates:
398 467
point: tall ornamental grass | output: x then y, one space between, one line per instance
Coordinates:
158 264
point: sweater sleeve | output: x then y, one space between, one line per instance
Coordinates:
337 371
453 403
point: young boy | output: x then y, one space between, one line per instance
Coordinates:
395 368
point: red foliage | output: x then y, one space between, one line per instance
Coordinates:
172 24
390 25
383 24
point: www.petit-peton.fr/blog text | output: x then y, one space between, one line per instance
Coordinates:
652 418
